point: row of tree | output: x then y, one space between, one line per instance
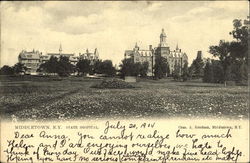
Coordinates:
160 69
13 70
105 67
232 55
63 67
129 68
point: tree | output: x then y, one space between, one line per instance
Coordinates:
240 32
185 72
136 67
19 68
239 49
233 56
129 68
222 51
161 68
144 69
177 72
191 71
197 66
97 67
217 72
6 70
64 68
239 71
107 68
51 66
208 73
83 66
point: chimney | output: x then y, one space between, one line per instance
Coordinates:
150 47
199 54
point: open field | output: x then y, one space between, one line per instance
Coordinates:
42 98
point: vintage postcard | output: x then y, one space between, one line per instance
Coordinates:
124 81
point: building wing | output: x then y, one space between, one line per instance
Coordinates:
34 55
129 53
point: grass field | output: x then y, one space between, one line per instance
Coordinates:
33 98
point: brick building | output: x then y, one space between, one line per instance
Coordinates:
32 60
174 57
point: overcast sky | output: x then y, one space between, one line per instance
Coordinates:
113 27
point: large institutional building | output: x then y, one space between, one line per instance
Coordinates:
32 60
175 57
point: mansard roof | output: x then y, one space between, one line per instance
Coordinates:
30 55
45 57
176 54
87 53
145 52
62 54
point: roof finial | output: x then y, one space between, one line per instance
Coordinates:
177 48
60 49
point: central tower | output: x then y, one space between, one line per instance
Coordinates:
163 36
162 50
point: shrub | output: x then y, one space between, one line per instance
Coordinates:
113 84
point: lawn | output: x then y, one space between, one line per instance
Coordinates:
43 98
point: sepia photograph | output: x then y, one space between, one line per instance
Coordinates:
106 63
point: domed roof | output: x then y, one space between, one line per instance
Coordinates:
163 34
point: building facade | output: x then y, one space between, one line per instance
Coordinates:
140 55
175 57
32 60
90 56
